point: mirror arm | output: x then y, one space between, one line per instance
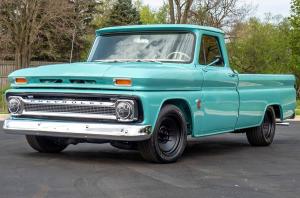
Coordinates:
214 62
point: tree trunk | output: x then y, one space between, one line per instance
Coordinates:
23 56
178 9
181 14
186 11
171 9
72 46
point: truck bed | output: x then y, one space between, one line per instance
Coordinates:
257 91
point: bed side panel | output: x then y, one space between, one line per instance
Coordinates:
257 92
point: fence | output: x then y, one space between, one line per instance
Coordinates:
6 67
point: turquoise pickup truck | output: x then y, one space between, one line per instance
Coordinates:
147 88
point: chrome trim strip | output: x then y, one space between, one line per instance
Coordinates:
69 115
102 131
69 102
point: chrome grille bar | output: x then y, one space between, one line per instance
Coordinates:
70 115
69 102
71 108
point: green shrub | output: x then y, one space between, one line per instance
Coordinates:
298 108
3 108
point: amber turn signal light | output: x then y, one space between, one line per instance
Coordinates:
20 80
123 82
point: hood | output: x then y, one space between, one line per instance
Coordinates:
145 76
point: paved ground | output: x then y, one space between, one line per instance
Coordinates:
220 166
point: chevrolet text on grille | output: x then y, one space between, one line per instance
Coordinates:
68 102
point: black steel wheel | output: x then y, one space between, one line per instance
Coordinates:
168 135
46 144
263 135
168 140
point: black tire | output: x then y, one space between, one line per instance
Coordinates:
46 144
263 135
169 137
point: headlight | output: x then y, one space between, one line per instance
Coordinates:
15 105
125 110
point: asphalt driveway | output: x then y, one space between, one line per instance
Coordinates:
219 166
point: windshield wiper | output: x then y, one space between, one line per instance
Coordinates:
128 60
148 60
108 61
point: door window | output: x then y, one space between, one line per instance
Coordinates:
210 51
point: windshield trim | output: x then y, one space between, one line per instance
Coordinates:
149 32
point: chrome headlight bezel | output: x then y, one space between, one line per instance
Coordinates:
15 102
126 110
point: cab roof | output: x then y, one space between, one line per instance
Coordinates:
161 27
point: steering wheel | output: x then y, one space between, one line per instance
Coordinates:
178 56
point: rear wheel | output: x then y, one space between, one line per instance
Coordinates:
169 137
46 144
263 135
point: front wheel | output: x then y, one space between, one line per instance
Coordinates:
169 137
46 144
263 135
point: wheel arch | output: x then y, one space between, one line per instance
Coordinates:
277 109
184 106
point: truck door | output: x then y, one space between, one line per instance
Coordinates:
219 98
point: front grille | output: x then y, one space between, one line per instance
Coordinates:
75 107
69 109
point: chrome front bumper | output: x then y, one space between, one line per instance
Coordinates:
122 132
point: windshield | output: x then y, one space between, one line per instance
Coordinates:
158 47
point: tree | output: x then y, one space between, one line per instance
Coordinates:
123 13
216 13
149 16
295 38
179 10
71 43
46 29
295 23
84 11
162 14
261 47
23 23
102 15
219 13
